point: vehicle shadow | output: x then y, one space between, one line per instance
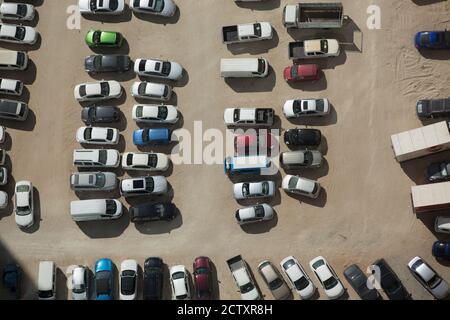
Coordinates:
257 47
27 76
124 49
61 285
37 212
118 76
435 54
27 125
105 229
260 6
320 202
153 18
426 2
167 289
215 282
265 84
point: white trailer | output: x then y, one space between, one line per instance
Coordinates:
431 197
422 141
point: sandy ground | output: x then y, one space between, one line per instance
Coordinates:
364 212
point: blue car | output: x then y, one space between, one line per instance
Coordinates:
148 136
104 280
441 250
433 40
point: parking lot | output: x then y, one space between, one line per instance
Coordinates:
364 212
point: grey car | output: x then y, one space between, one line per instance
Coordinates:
100 114
358 280
301 159
107 63
93 181
13 110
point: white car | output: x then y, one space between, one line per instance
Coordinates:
2 135
250 190
165 8
158 68
18 34
3 176
24 209
17 11
442 225
97 135
306 108
257 213
425 274
144 186
100 90
11 87
3 199
96 158
179 283
145 161
302 186
151 90
80 283
101 6
155 113
93 181
297 277
253 117
128 279
327 277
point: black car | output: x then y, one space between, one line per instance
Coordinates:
11 278
436 108
439 171
153 279
153 212
303 137
358 281
390 282
441 250
100 114
107 63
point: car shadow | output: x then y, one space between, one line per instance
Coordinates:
61 285
105 229
27 125
259 6
118 76
37 213
257 47
27 76
215 281
320 202
265 84
123 49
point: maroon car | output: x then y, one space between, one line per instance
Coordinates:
203 278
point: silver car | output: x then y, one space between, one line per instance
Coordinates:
302 159
93 181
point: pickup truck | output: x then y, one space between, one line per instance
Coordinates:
247 32
313 15
249 116
313 49
243 279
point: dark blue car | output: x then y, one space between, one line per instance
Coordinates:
11 278
148 136
441 250
433 40
104 280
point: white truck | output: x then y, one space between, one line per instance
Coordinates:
422 141
313 15
248 32
243 279
431 197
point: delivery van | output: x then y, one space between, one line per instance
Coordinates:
47 280
97 209
244 68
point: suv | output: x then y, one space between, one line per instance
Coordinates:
436 108
153 212
13 110
153 279
156 185
94 158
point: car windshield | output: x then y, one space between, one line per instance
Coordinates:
159 5
109 134
265 188
275 284
201 271
128 282
21 10
23 211
141 88
247 288
162 112
330 283
20 33
308 158
102 156
178 275
88 133
149 184
102 283
100 180
297 107
324 46
293 183
79 288
139 111
97 62
261 66
245 189
96 36
111 207
294 72
152 160
320 105
146 135
45 294
104 86
301 283
166 68
259 211
257 29
236 115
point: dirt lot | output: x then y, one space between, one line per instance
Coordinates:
364 212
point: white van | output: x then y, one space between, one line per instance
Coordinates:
47 280
244 68
97 209
13 60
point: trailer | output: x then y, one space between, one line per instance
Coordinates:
422 141
430 197
314 15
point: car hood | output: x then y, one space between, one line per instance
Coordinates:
160 184
169 8
228 115
333 46
336 291
251 295
266 30
163 161
176 71
288 108
24 221
84 5
30 35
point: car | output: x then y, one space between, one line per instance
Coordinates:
442 225
251 190
104 279
153 279
155 113
441 250
305 159
141 186
303 137
18 34
147 136
3 199
97 63
96 158
432 39
101 90
301 72
254 143
145 161
2 156
165 8
17 11
11 278
249 117
390 282
428 278
13 110
358 280
2 140
3 176
327 277
24 207
80 283
11 87
145 212
301 186
170 70
100 114
100 38
97 135
101 6
151 90
256 213
128 279
202 271
180 283
297 277
438 171
436 108
306 108
274 281
93 181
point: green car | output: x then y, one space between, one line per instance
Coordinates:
98 38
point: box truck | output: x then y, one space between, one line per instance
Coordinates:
431 197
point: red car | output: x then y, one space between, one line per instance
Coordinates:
253 143
301 72
203 278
